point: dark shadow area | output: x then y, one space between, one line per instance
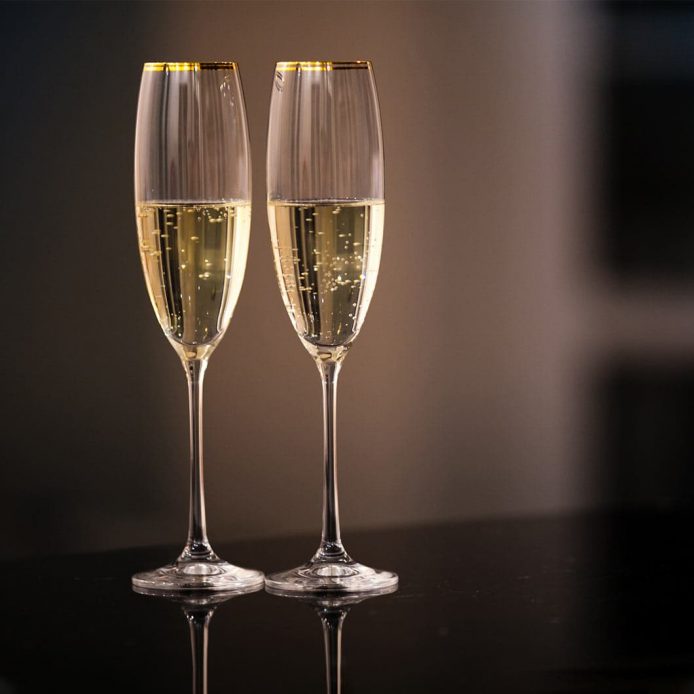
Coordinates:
78 406
648 435
645 405
647 140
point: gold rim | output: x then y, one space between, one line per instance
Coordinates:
187 67
323 65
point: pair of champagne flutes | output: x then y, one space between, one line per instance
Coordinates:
325 210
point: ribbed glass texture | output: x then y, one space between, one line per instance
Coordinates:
191 141
324 137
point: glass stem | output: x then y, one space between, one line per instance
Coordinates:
331 548
332 641
197 547
198 622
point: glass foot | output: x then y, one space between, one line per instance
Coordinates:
191 576
332 577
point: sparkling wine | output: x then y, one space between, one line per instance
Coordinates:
194 258
326 257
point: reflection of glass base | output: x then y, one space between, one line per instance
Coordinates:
192 599
194 576
332 577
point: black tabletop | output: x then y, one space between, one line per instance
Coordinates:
584 603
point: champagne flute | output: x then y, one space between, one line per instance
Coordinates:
326 209
192 195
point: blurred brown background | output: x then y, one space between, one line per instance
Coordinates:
530 346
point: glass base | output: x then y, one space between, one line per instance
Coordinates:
336 577
193 576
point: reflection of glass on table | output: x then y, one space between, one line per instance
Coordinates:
198 608
332 610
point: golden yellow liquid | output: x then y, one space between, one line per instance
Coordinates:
326 257
194 258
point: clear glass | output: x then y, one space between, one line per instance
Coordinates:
326 212
193 211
